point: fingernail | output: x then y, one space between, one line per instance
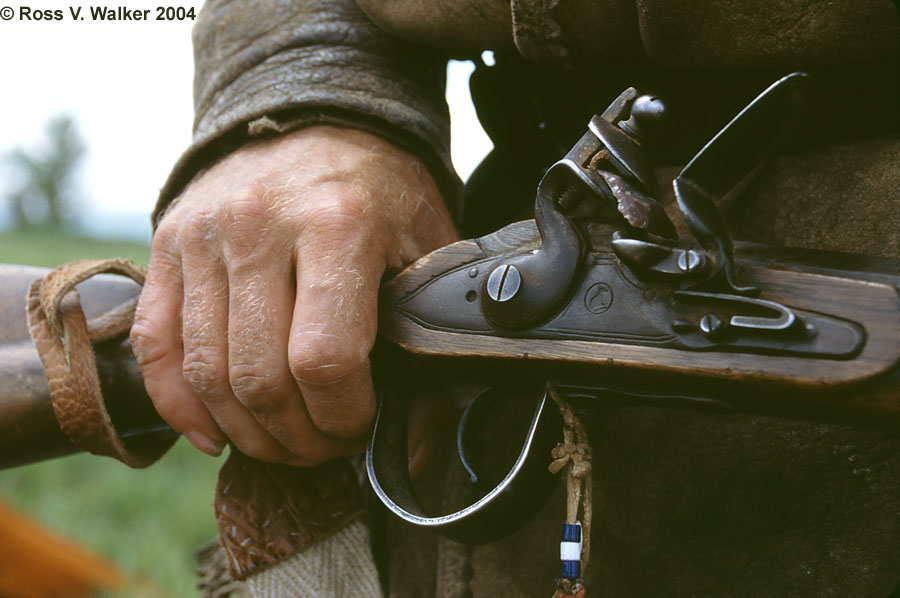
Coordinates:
205 443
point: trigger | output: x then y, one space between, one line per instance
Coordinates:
514 500
467 434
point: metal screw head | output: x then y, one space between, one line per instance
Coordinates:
503 283
689 261
711 325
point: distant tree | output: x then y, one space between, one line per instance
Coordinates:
46 186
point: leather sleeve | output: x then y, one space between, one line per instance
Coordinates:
265 67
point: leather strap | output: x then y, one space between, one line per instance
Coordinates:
268 512
265 512
64 341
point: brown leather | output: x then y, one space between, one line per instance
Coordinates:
268 512
265 512
698 33
536 31
63 339
264 59
783 33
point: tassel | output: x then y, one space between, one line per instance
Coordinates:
573 455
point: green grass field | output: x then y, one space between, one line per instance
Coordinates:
47 247
148 522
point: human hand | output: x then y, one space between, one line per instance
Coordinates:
259 310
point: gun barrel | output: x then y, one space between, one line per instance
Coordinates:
30 431
867 394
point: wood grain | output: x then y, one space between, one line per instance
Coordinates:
873 305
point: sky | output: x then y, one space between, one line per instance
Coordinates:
128 86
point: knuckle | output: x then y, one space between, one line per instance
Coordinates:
198 228
203 372
248 212
345 206
165 235
260 392
322 359
256 222
338 219
146 344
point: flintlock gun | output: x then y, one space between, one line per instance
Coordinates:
603 296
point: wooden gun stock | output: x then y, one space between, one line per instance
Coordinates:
583 349
862 390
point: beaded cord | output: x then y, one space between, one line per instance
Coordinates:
573 455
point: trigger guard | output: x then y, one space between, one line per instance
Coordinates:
524 490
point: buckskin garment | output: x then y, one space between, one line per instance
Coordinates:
685 504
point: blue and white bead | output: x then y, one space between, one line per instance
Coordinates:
570 551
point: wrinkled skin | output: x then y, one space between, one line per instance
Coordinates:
259 310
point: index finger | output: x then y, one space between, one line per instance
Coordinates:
156 342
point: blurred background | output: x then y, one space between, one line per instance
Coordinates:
93 116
